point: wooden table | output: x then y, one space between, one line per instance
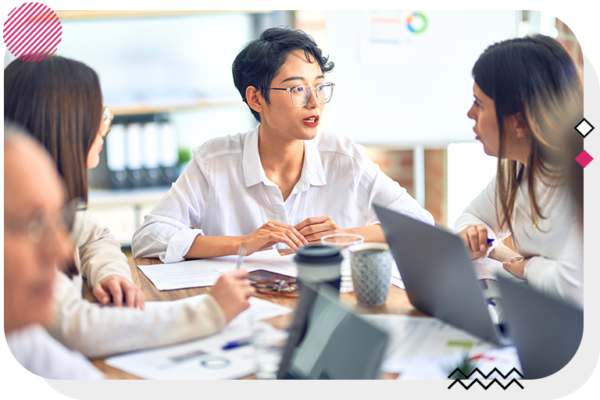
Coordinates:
397 303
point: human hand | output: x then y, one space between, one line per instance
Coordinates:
119 287
232 291
475 238
516 266
313 229
272 233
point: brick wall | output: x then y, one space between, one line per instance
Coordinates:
567 38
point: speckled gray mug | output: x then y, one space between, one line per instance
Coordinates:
371 273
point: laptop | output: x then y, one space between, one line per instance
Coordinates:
546 331
439 276
327 341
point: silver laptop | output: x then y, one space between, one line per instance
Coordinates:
327 341
546 331
439 276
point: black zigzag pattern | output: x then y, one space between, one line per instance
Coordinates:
467 387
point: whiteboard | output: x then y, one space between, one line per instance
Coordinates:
403 87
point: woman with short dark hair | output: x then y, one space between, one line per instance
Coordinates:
528 99
283 183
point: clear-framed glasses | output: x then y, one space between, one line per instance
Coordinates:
37 226
277 288
107 117
300 95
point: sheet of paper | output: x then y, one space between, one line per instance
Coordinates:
199 273
396 278
202 358
487 268
419 341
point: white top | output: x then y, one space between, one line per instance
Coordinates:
224 191
98 331
42 355
556 248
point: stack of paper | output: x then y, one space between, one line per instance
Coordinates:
203 358
427 348
199 273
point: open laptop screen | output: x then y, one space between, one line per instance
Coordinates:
327 341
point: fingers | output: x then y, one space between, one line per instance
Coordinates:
272 233
232 292
316 225
475 238
288 230
310 221
114 288
140 299
101 295
118 288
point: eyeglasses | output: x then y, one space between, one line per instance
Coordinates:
36 227
107 117
300 95
277 288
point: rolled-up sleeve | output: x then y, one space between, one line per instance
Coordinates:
170 229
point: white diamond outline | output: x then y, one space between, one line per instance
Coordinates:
590 126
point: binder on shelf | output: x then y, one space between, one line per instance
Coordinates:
133 135
140 151
168 154
116 157
150 154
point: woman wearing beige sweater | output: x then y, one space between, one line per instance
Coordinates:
59 101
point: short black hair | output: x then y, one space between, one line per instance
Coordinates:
259 62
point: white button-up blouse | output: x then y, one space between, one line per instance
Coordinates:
224 191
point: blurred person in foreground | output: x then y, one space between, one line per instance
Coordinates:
59 102
36 246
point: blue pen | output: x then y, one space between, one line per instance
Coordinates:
490 240
236 343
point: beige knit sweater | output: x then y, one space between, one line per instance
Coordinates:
99 331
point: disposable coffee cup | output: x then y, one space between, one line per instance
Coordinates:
371 265
318 265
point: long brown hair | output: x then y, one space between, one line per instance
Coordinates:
59 101
536 77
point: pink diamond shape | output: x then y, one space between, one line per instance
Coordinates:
584 159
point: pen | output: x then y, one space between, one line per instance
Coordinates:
235 344
240 259
490 240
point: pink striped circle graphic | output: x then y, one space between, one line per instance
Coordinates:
32 32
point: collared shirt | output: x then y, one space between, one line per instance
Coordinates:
224 191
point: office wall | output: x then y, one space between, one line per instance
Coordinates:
567 38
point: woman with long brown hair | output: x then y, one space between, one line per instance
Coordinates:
59 101
528 99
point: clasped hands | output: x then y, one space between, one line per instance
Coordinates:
309 231
475 238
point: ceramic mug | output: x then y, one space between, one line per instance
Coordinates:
371 272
